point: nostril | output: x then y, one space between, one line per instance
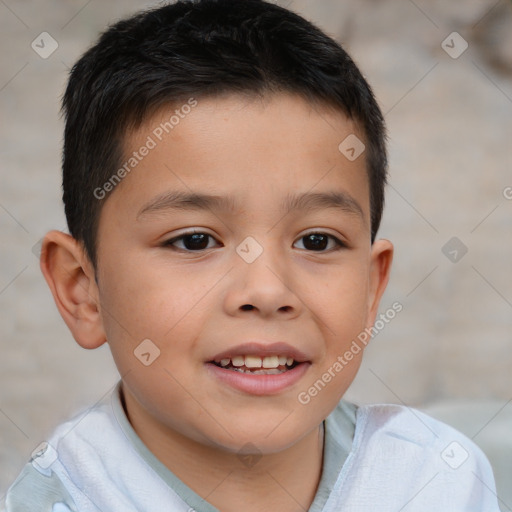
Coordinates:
247 307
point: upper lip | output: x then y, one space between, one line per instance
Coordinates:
262 349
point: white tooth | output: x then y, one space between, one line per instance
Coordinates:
289 361
282 360
253 361
270 362
225 362
237 361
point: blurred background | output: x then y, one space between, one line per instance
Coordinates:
442 74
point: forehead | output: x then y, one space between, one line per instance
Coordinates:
249 149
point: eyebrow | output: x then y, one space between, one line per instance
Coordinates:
307 201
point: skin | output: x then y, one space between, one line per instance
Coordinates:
193 305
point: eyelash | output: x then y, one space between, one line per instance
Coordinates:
170 243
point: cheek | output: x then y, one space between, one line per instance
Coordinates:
343 311
152 326
342 304
143 300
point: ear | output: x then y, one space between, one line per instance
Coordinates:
380 267
71 278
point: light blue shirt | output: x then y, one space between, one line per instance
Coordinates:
376 457
39 490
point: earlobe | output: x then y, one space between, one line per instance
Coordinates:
380 268
70 276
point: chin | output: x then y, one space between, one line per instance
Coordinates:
265 437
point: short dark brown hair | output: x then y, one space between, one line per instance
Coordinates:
198 48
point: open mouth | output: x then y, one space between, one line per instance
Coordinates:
256 365
260 370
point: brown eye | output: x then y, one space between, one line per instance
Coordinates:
319 242
191 242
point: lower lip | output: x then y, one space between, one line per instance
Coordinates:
259 384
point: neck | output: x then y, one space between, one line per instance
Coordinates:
286 481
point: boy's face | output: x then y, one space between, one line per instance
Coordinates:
251 275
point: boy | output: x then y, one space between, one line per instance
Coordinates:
223 175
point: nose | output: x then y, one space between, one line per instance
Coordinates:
263 287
